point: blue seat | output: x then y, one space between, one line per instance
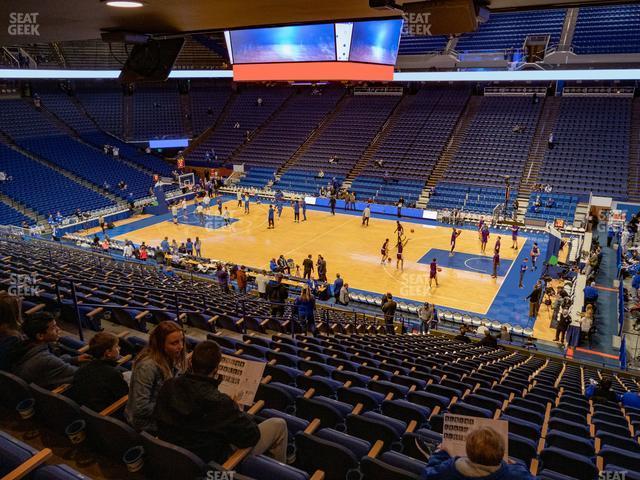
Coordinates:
262 467
164 461
568 463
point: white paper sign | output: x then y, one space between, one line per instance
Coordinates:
457 427
240 378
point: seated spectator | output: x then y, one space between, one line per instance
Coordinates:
601 392
10 320
631 400
488 340
98 383
484 460
462 336
163 358
550 203
35 360
193 414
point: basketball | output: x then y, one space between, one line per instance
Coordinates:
439 269
389 259
412 230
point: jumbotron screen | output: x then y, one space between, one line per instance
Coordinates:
375 41
300 43
365 50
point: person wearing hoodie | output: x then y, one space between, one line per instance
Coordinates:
98 383
192 413
34 359
484 461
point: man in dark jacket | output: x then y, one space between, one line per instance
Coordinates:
277 293
34 360
389 310
488 340
534 301
192 413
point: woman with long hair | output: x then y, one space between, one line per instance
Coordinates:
306 305
163 358
10 321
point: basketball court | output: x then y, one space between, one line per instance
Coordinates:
465 281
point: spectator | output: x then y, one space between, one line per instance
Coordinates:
590 294
223 278
98 383
462 336
10 320
505 335
564 320
426 314
163 358
534 301
551 141
277 293
241 278
322 269
35 360
635 283
344 295
631 400
193 414
488 340
261 284
337 286
389 310
485 452
307 267
306 305
600 392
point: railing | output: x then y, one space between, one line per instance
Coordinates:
393 91
627 92
514 91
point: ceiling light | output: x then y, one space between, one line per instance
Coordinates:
124 3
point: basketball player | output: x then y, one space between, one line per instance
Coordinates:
239 198
484 238
496 247
219 202
535 253
205 202
279 207
496 264
270 217
184 207
400 230
296 211
174 213
246 203
226 216
480 226
304 209
384 251
400 257
514 236
366 214
454 236
433 272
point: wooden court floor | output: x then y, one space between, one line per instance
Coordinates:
349 249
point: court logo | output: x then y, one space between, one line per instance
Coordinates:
416 24
24 24
611 475
413 285
23 285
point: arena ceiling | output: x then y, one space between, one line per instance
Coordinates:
61 20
